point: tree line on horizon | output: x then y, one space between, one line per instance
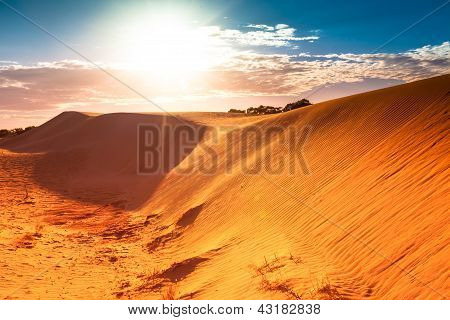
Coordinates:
249 111
272 110
14 132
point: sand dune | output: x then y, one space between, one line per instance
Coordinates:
370 220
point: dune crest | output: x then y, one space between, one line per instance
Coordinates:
370 220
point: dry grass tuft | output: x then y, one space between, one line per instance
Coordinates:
169 292
326 291
296 260
271 269
282 286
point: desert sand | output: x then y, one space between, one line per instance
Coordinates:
370 221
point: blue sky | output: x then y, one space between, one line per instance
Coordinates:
324 39
344 26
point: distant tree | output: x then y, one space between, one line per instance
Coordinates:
17 131
252 111
236 111
14 132
263 110
295 105
269 109
4 133
29 128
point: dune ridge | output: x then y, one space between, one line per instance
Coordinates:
370 220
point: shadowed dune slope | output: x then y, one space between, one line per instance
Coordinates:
364 216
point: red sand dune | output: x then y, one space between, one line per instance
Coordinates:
369 222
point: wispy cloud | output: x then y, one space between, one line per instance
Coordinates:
69 84
261 26
44 85
280 35
8 62
269 74
281 26
437 54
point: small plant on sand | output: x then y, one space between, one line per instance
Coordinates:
27 199
268 266
38 230
282 286
169 292
296 260
326 291
271 278
154 277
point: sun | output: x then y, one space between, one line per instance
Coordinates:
166 45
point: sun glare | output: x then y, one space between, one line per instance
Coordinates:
167 46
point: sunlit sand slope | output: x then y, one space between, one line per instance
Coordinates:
364 216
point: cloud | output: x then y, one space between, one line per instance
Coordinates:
269 74
440 53
260 26
59 85
279 36
45 85
281 26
